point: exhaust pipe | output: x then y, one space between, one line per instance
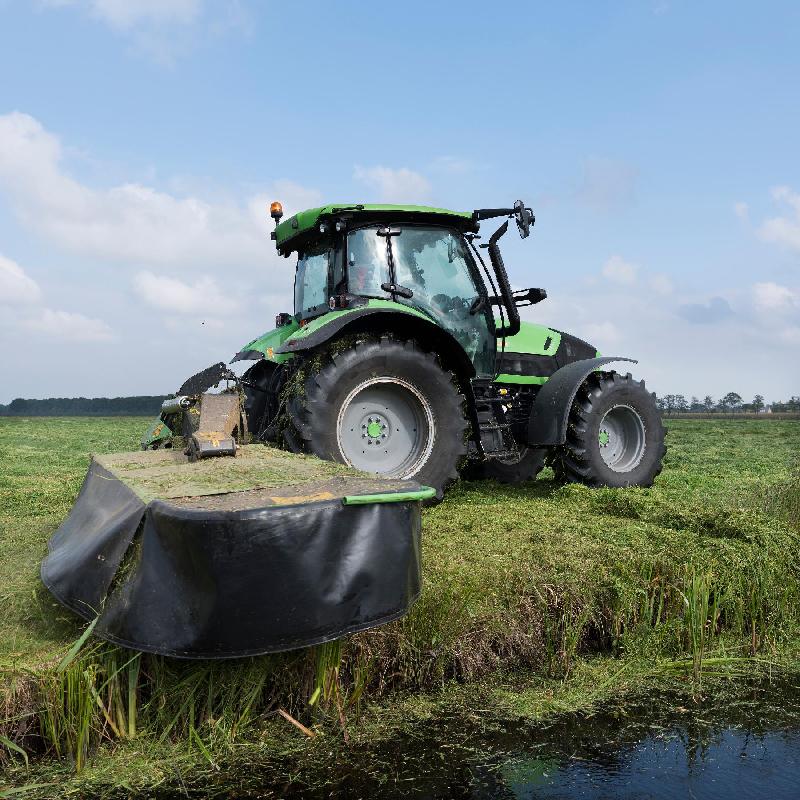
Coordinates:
172 405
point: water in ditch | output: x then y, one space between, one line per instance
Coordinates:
741 742
746 745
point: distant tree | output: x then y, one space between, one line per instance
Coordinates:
680 403
708 403
758 403
731 402
695 405
84 407
661 404
792 404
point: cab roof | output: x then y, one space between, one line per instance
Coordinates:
304 225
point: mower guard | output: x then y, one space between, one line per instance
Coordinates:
547 426
227 574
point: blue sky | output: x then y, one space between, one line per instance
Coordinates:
140 141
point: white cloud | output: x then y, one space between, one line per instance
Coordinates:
661 284
161 29
784 230
67 325
603 333
20 299
126 14
15 286
169 294
771 297
742 210
791 335
394 185
131 222
620 271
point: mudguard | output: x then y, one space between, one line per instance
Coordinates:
547 426
327 327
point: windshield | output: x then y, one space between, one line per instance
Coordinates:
434 264
311 279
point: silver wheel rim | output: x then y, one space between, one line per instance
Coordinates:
622 438
385 426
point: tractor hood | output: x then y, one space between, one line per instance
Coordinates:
536 352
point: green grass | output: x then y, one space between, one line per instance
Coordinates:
536 599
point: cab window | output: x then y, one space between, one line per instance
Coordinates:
311 280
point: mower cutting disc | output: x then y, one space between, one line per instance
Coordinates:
216 559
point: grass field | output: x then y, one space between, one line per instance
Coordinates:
541 597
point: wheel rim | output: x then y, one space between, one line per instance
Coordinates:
622 438
385 426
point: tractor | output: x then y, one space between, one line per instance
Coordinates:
406 357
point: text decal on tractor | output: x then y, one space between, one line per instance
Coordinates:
405 356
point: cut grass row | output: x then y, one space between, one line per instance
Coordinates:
539 580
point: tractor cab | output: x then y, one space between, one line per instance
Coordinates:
418 258
426 268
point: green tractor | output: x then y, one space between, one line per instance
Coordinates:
406 357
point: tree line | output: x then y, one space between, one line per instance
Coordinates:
729 404
139 406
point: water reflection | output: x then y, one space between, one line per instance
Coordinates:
748 747
661 747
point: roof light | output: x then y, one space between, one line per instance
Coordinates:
276 211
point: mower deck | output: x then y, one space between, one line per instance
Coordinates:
221 558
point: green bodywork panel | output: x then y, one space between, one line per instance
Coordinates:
159 431
304 221
270 341
532 339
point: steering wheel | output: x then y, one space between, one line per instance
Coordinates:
524 218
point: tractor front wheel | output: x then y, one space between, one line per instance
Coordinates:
386 407
615 436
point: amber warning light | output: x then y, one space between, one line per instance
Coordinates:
276 211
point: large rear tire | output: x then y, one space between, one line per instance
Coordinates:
615 436
385 407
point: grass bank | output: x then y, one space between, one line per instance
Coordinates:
536 599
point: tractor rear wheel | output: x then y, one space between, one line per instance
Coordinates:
385 407
525 467
615 436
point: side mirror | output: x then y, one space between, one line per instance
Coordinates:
525 219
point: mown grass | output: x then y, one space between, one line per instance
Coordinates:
581 591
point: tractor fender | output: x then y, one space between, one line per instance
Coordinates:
380 321
547 425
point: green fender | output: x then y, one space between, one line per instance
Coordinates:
266 345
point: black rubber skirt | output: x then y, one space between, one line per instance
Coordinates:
199 583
